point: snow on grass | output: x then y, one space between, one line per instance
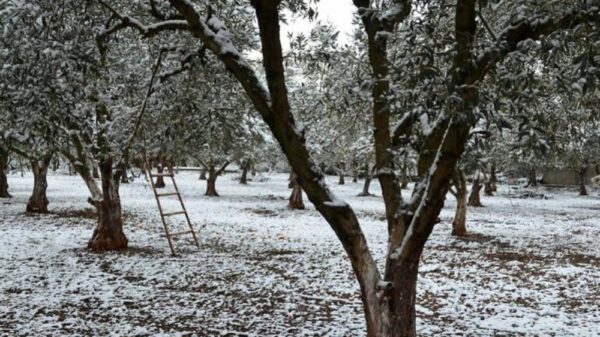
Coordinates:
530 268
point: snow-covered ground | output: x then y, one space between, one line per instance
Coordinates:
530 269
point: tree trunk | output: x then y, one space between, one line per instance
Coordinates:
582 188
244 176
95 173
108 234
459 227
123 170
3 179
160 182
474 198
355 176
404 180
38 202
493 178
202 174
341 180
365 191
211 188
402 301
55 164
295 201
531 178
487 186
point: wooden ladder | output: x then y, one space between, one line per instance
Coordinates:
163 215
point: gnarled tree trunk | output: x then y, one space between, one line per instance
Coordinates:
474 198
38 202
295 200
211 181
108 234
3 179
367 184
459 223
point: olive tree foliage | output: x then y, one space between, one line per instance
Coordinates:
328 83
81 95
473 50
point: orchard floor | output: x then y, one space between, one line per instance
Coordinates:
531 267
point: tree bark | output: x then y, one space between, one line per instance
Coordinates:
459 227
367 184
95 173
582 187
474 198
493 178
341 179
531 178
244 177
38 202
211 182
487 186
295 200
213 174
3 179
108 234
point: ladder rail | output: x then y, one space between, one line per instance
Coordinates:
187 217
160 210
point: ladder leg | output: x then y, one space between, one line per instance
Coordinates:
187 217
162 217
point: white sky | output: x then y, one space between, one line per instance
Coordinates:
338 12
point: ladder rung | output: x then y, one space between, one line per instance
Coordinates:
173 213
161 175
165 194
179 233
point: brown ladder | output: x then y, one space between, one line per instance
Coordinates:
157 195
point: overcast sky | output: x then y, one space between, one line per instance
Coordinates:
337 12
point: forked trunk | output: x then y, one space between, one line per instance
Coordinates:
531 179
38 202
108 234
160 182
295 201
211 182
244 176
582 188
474 198
459 224
3 179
